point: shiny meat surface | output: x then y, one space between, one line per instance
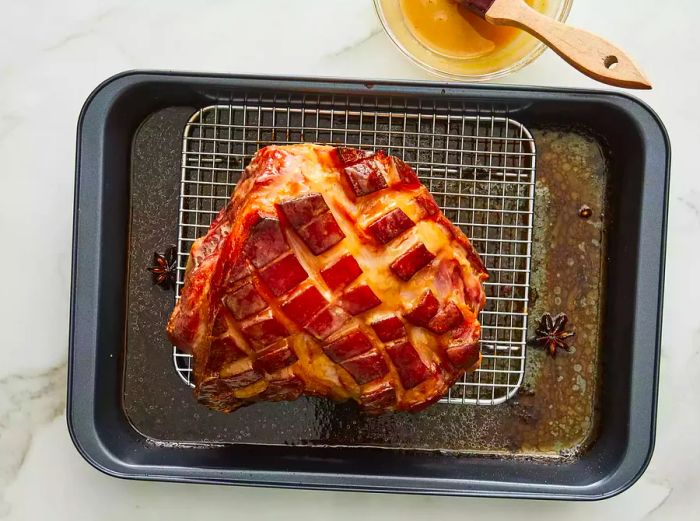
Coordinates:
331 272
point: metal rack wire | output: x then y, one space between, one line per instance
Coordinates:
480 168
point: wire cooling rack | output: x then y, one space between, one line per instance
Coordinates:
480 168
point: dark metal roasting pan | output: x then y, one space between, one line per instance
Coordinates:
158 153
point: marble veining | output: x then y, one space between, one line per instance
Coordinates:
27 403
52 54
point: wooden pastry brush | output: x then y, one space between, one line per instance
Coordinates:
590 54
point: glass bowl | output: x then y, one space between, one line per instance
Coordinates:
518 53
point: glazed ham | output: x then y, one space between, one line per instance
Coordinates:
331 272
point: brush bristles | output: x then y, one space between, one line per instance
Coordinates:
479 7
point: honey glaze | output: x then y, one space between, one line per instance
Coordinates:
451 30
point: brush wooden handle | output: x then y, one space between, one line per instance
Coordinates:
590 54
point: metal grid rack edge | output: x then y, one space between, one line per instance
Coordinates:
494 156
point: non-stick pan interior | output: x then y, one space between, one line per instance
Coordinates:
553 413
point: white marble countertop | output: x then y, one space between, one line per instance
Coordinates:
52 54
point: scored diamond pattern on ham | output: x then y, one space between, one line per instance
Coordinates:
389 328
390 225
331 272
358 300
341 272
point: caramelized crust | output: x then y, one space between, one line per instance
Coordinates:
331 272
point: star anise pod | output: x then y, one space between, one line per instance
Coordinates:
164 268
551 333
